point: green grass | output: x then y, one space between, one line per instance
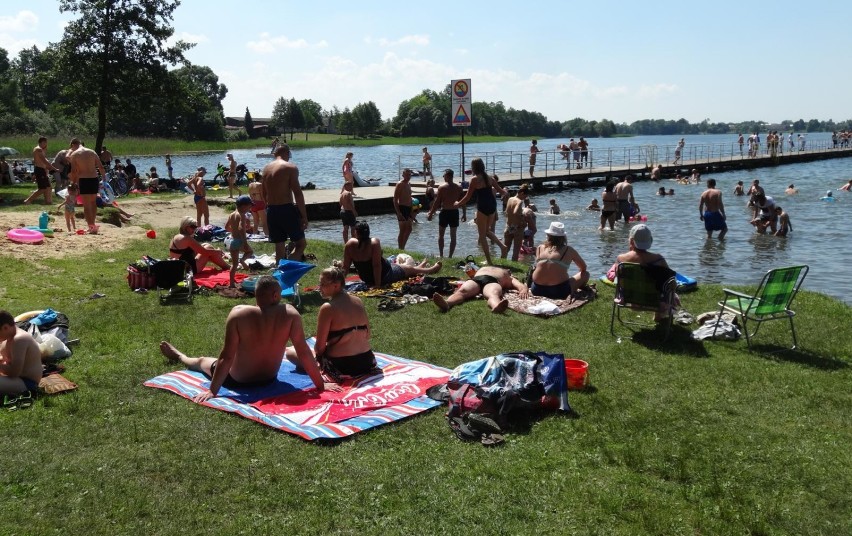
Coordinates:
160 146
678 438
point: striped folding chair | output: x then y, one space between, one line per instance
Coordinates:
637 290
771 300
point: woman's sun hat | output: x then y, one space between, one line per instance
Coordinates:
641 237
556 228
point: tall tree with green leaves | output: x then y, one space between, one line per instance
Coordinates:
112 43
312 112
249 123
279 115
295 117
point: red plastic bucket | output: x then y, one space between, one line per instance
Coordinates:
577 373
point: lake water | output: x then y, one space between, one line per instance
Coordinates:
817 240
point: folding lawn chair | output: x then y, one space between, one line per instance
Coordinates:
288 274
174 281
771 300
636 289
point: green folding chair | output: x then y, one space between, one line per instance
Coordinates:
771 300
637 290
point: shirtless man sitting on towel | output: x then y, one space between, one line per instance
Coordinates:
491 281
20 358
255 343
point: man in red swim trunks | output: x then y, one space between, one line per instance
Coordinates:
258 210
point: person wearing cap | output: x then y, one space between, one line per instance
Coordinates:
199 195
553 258
640 242
239 226
513 235
445 198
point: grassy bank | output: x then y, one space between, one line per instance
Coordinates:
682 437
159 146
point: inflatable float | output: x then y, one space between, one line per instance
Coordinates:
45 232
29 315
364 182
684 283
25 236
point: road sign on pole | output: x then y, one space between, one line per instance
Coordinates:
460 111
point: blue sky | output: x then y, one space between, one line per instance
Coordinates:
621 60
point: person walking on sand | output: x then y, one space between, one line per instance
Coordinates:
199 196
256 339
85 167
402 205
448 194
42 169
711 210
286 216
534 150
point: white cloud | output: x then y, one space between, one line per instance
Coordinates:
657 90
416 39
23 21
268 44
189 37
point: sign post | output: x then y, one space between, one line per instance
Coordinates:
460 110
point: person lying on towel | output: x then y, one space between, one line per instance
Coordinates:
20 358
256 339
490 281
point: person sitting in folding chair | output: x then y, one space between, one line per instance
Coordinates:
256 339
186 248
654 263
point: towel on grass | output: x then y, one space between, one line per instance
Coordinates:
210 277
292 404
545 307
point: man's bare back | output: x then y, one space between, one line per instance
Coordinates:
21 353
515 212
85 164
261 336
281 180
448 194
712 199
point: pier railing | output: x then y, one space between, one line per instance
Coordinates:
637 158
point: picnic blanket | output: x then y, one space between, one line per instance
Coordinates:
292 404
545 307
211 277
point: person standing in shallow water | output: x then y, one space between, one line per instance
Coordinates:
711 210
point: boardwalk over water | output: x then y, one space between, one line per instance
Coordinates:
602 165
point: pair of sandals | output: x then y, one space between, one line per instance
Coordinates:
23 401
390 304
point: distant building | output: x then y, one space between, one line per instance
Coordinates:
261 125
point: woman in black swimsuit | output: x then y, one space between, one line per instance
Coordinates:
484 187
343 329
373 268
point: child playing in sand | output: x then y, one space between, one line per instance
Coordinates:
594 205
70 204
239 227
554 208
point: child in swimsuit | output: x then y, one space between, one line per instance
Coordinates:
239 226
70 204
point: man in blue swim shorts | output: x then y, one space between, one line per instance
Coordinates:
711 210
20 358
286 217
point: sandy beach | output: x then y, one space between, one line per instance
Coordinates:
159 214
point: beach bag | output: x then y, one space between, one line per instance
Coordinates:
472 417
139 273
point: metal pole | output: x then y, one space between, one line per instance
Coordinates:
462 162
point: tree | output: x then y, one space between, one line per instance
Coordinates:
248 123
8 90
114 41
366 118
279 115
312 112
295 118
205 80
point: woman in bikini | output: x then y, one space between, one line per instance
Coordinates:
609 208
552 259
484 186
186 248
343 329
346 169
366 254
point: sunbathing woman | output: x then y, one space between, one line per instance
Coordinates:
366 254
552 260
186 248
484 186
343 329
